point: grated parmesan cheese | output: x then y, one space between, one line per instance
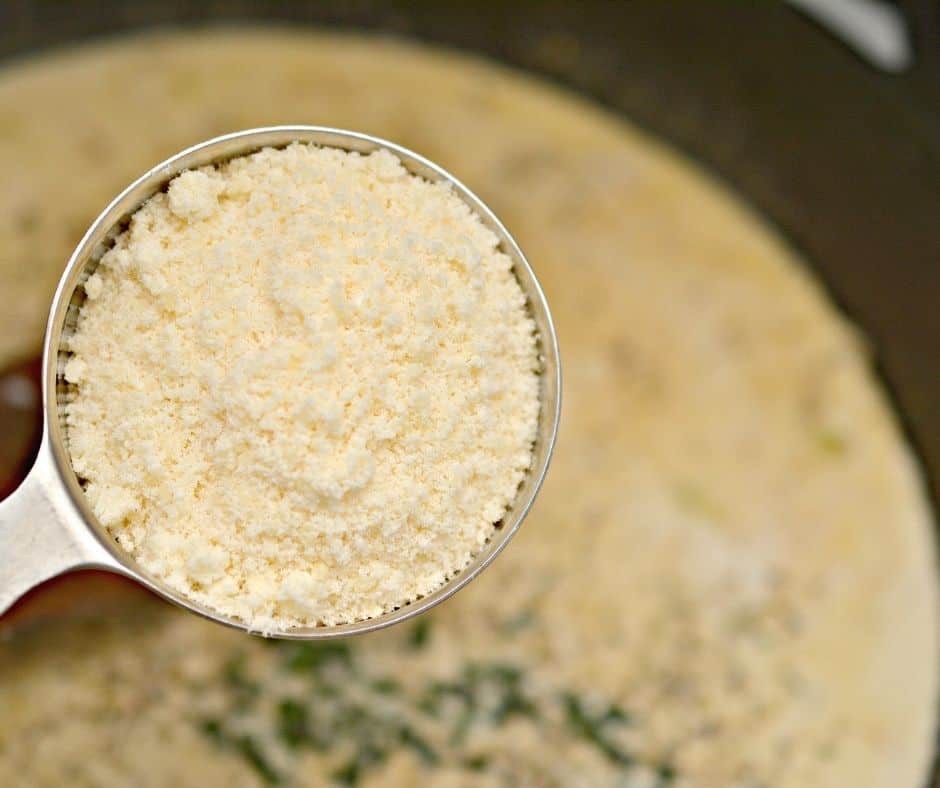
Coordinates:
306 386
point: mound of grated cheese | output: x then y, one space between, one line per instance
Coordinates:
305 386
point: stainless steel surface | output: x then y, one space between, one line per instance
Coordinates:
47 527
43 533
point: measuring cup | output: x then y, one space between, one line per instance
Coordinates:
47 527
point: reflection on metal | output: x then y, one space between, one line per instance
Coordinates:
18 392
876 30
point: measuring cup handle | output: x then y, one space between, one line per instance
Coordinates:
38 534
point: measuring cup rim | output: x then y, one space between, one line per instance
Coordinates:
112 220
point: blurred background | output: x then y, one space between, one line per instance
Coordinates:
823 116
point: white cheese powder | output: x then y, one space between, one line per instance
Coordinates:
305 386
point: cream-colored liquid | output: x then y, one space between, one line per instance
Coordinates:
733 542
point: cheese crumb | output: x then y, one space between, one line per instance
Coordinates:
306 386
192 195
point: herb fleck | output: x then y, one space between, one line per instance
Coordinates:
245 746
593 727
302 657
413 741
244 690
386 686
249 749
420 633
212 728
476 763
293 723
665 776
347 774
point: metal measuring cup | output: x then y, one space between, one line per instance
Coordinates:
46 525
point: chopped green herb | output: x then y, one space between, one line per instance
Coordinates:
617 714
514 704
497 685
367 756
591 728
464 721
370 717
212 728
436 694
234 673
347 774
505 681
506 674
293 723
412 740
476 763
386 686
245 691
370 754
665 776
313 656
352 715
420 633
244 745
249 749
